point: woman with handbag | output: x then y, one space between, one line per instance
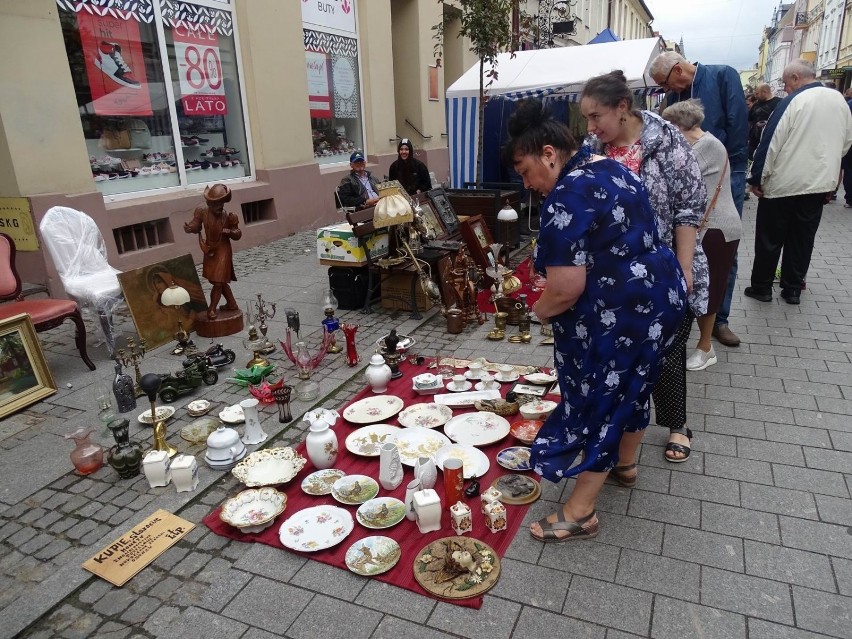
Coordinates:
721 229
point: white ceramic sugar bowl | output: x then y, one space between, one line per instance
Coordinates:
155 465
185 473
224 447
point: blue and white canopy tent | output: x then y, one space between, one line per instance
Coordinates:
545 73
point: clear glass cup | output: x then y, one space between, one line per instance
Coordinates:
444 367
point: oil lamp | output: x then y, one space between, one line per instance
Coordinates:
330 323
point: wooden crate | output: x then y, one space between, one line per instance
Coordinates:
396 293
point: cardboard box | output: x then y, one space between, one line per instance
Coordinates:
396 293
338 244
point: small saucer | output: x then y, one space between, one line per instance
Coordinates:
468 375
481 386
459 389
505 380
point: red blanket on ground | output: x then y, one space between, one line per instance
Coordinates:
406 533
522 272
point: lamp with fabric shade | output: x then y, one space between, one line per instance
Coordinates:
176 296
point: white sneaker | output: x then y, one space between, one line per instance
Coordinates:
699 360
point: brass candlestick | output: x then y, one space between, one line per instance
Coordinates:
262 314
135 355
151 384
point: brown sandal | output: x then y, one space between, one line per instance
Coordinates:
585 528
621 476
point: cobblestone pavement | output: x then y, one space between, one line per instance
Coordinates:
749 538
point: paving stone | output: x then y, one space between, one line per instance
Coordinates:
610 605
114 602
80 529
260 559
21 537
792 566
212 541
112 630
705 488
737 427
191 564
171 558
63 524
629 532
94 591
770 451
654 574
817 481
329 580
54 548
593 559
740 522
800 435
36 543
752 596
196 623
822 612
257 633
165 588
703 547
337 618
834 460
665 508
63 617
398 602
782 501
834 510
9 529
392 628
550 585
83 626
815 536
760 629
676 619
775 414
843 574
223 589
274 606
736 468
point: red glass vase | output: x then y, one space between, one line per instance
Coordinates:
351 352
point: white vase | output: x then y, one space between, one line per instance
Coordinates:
412 487
378 374
390 467
321 445
254 431
426 470
427 507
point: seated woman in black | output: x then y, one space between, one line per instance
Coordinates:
411 172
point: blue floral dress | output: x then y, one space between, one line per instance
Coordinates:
609 345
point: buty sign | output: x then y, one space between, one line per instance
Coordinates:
329 14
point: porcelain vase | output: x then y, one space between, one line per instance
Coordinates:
321 445
390 467
412 487
378 374
426 470
254 431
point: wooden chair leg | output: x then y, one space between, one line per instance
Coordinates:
77 318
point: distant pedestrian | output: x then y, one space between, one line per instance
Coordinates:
794 172
846 165
759 114
720 90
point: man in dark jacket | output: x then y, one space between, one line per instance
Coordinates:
719 88
759 114
358 189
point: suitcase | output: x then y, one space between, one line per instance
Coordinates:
349 285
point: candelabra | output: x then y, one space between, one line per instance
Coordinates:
132 357
254 342
262 314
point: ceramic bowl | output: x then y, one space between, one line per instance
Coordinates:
426 380
269 467
198 407
163 412
526 430
254 509
538 409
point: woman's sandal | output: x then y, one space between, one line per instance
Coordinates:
623 477
585 528
679 448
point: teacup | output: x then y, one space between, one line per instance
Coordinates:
425 380
488 382
458 381
505 371
475 370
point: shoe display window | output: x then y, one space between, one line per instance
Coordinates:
158 88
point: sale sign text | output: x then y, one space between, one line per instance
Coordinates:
200 72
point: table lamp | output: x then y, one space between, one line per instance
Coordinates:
176 296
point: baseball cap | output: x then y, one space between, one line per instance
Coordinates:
356 157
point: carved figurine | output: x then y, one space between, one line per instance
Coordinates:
462 279
219 229
122 388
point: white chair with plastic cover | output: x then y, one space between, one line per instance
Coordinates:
79 253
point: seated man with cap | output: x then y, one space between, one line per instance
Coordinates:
358 189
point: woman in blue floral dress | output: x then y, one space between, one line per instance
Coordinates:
614 295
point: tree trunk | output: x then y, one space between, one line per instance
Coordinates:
480 137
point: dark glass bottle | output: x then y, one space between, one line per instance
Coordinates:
126 456
122 388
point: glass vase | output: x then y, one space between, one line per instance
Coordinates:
87 456
282 399
352 357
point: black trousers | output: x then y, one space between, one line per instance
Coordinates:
669 394
788 223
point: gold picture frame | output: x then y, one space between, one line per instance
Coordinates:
24 376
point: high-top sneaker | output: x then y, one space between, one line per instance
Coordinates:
111 63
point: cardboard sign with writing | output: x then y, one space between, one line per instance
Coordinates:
138 547
16 221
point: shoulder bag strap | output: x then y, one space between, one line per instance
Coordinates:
712 204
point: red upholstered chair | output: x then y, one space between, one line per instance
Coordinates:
46 314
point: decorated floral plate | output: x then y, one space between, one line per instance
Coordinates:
515 458
425 415
163 412
457 567
198 430
370 410
526 430
465 399
254 509
418 442
540 378
475 463
321 481
316 528
381 512
269 467
367 440
354 489
372 555
517 489
198 407
477 429
232 414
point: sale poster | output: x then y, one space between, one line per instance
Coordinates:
200 71
319 98
115 65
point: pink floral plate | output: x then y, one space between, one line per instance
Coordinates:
370 410
477 429
316 528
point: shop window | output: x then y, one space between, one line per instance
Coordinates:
130 100
334 83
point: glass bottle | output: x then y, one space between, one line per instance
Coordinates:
122 388
87 456
126 456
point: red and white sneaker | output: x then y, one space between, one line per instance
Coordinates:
112 65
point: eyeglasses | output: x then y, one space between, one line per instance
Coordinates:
669 75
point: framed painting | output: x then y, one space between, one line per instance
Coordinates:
431 220
24 375
477 236
445 210
143 288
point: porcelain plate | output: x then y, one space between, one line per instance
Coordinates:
418 442
477 429
316 528
429 415
374 409
367 440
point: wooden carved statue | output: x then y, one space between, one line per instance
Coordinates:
463 277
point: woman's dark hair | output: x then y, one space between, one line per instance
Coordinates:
609 90
531 127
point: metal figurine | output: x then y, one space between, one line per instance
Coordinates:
392 357
151 385
132 358
184 341
293 322
262 315
122 388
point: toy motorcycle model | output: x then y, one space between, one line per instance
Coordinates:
195 371
217 355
